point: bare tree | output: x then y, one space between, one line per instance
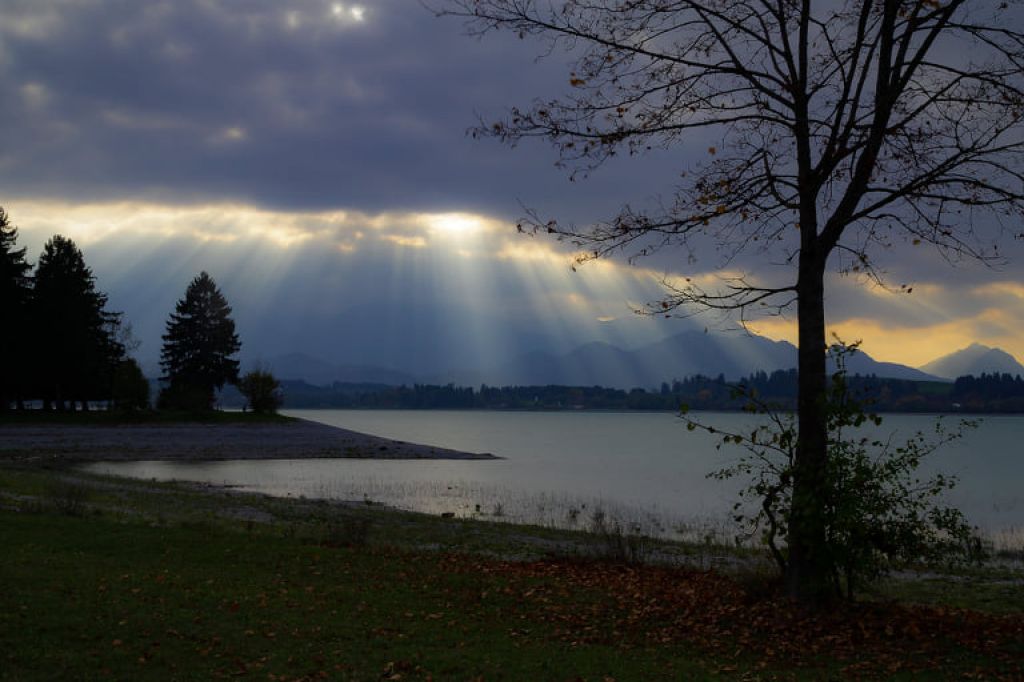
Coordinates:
843 126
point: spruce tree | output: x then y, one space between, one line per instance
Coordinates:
15 292
75 344
198 347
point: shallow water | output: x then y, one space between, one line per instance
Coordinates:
559 467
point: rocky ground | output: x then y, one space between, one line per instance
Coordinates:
298 439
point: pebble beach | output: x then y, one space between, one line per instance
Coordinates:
298 439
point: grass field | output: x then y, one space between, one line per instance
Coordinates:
110 579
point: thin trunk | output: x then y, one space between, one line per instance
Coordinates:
809 569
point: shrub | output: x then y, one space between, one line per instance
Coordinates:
881 514
261 390
130 388
187 398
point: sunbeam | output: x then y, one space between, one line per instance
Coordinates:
446 290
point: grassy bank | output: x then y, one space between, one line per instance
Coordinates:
110 579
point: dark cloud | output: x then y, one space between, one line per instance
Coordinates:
294 106
310 106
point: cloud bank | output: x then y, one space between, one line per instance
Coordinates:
313 156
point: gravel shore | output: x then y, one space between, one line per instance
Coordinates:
299 439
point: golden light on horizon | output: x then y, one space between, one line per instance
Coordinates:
911 346
475 249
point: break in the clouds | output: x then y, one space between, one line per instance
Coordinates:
421 292
313 156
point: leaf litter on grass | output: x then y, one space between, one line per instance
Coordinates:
642 606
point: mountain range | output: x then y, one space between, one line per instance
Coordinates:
647 366
676 357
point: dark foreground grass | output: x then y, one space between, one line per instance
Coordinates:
145 580
90 598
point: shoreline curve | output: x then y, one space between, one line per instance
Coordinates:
298 439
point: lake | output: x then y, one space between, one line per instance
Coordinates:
559 468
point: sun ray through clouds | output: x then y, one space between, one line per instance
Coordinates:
424 283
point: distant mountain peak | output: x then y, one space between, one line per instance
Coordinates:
975 359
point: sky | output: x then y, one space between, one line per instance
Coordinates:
313 157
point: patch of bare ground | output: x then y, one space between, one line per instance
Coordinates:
298 439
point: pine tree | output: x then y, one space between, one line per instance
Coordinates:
15 292
200 340
75 343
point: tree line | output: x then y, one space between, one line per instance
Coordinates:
61 345
64 349
988 393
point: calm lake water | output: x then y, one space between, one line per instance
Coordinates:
560 467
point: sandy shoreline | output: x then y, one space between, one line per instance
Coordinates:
299 439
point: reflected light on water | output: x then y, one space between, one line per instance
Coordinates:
561 469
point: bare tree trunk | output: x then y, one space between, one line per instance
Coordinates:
808 569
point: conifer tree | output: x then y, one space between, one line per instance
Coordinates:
15 292
74 336
198 347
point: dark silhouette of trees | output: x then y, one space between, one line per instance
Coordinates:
992 392
776 390
15 293
839 127
130 388
198 347
75 338
262 391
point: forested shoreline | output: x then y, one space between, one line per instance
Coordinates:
989 393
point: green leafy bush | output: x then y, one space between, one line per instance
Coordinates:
881 513
261 390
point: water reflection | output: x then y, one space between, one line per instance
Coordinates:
562 468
